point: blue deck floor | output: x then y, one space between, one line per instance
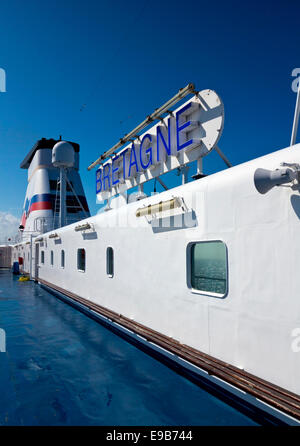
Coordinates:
63 368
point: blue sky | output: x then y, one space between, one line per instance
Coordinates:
124 59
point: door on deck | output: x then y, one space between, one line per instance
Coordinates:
36 262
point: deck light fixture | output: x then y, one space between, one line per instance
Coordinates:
82 227
167 205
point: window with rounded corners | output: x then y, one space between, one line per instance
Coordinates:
110 261
208 268
62 258
81 259
51 258
42 257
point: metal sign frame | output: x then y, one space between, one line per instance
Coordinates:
184 135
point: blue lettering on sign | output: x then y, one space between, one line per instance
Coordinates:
179 128
124 162
161 136
106 176
149 150
113 170
133 163
98 181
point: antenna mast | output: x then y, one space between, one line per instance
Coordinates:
62 157
62 197
296 116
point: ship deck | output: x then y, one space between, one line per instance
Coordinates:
62 367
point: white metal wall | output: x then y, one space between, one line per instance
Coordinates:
252 326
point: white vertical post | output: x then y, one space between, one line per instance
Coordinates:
184 170
200 166
62 202
107 206
296 116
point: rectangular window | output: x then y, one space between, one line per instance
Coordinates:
209 267
43 257
52 258
62 258
81 259
110 262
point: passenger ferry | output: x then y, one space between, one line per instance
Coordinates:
203 274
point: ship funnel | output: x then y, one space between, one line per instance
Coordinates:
63 154
54 195
265 180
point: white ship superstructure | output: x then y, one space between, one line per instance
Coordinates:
206 270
